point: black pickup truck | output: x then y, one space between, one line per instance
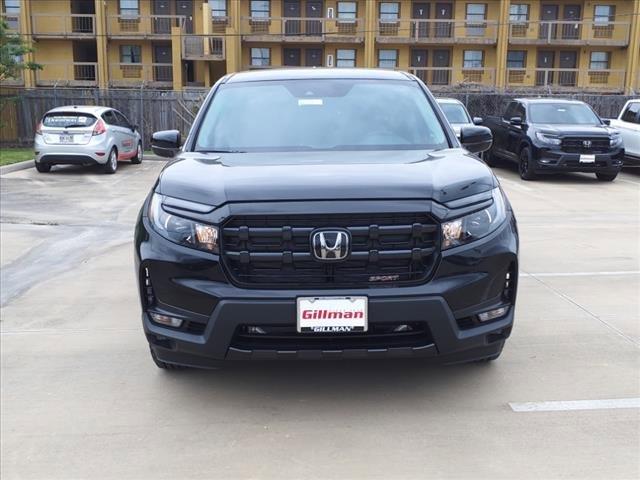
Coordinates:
551 135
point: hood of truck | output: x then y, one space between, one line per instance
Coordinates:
215 179
574 130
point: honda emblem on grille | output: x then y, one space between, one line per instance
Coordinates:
586 143
330 245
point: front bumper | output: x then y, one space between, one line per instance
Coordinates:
192 285
550 160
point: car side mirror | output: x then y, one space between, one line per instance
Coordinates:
516 121
476 139
166 143
478 120
606 121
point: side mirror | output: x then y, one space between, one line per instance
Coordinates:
478 120
166 143
606 121
476 139
516 121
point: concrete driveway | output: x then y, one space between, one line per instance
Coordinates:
82 399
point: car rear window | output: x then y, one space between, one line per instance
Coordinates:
68 120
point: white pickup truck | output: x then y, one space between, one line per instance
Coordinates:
628 123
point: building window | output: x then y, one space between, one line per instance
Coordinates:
476 12
130 54
218 8
603 14
519 13
387 58
473 59
389 11
345 58
347 10
129 8
516 59
11 7
260 57
260 8
599 61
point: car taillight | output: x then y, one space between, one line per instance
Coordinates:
39 129
100 128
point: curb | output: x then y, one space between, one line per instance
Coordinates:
14 167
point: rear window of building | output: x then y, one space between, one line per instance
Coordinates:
68 120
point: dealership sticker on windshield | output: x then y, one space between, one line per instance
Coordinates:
587 159
302 102
332 314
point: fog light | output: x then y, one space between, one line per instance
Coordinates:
492 314
255 330
165 320
402 328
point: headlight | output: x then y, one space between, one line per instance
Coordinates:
548 138
615 140
475 225
182 230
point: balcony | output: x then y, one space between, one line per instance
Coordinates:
138 75
469 79
565 79
12 21
570 33
437 32
302 30
137 27
63 26
203 47
76 74
219 25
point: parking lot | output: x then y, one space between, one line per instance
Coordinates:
81 397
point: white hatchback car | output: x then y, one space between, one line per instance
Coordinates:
86 135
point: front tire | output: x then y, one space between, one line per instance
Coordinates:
138 158
606 177
43 167
112 162
525 165
490 158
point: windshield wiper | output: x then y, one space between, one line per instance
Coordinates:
220 151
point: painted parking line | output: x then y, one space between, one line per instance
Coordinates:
568 405
581 274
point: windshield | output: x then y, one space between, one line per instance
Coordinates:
455 113
68 120
562 114
336 114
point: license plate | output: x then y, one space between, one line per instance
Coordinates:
587 159
332 314
66 138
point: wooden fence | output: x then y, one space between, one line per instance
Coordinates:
154 110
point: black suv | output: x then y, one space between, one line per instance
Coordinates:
316 214
546 135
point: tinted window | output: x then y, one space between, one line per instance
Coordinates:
562 114
110 118
68 120
455 113
510 111
320 115
631 113
520 112
121 119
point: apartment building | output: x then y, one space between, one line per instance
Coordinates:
528 45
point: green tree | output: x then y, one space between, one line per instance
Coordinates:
12 51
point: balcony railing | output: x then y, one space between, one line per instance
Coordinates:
16 81
141 74
12 21
219 24
203 47
143 26
298 29
569 32
76 74
469 78
437 31
69 25
566 79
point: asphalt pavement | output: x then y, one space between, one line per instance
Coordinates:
81 397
